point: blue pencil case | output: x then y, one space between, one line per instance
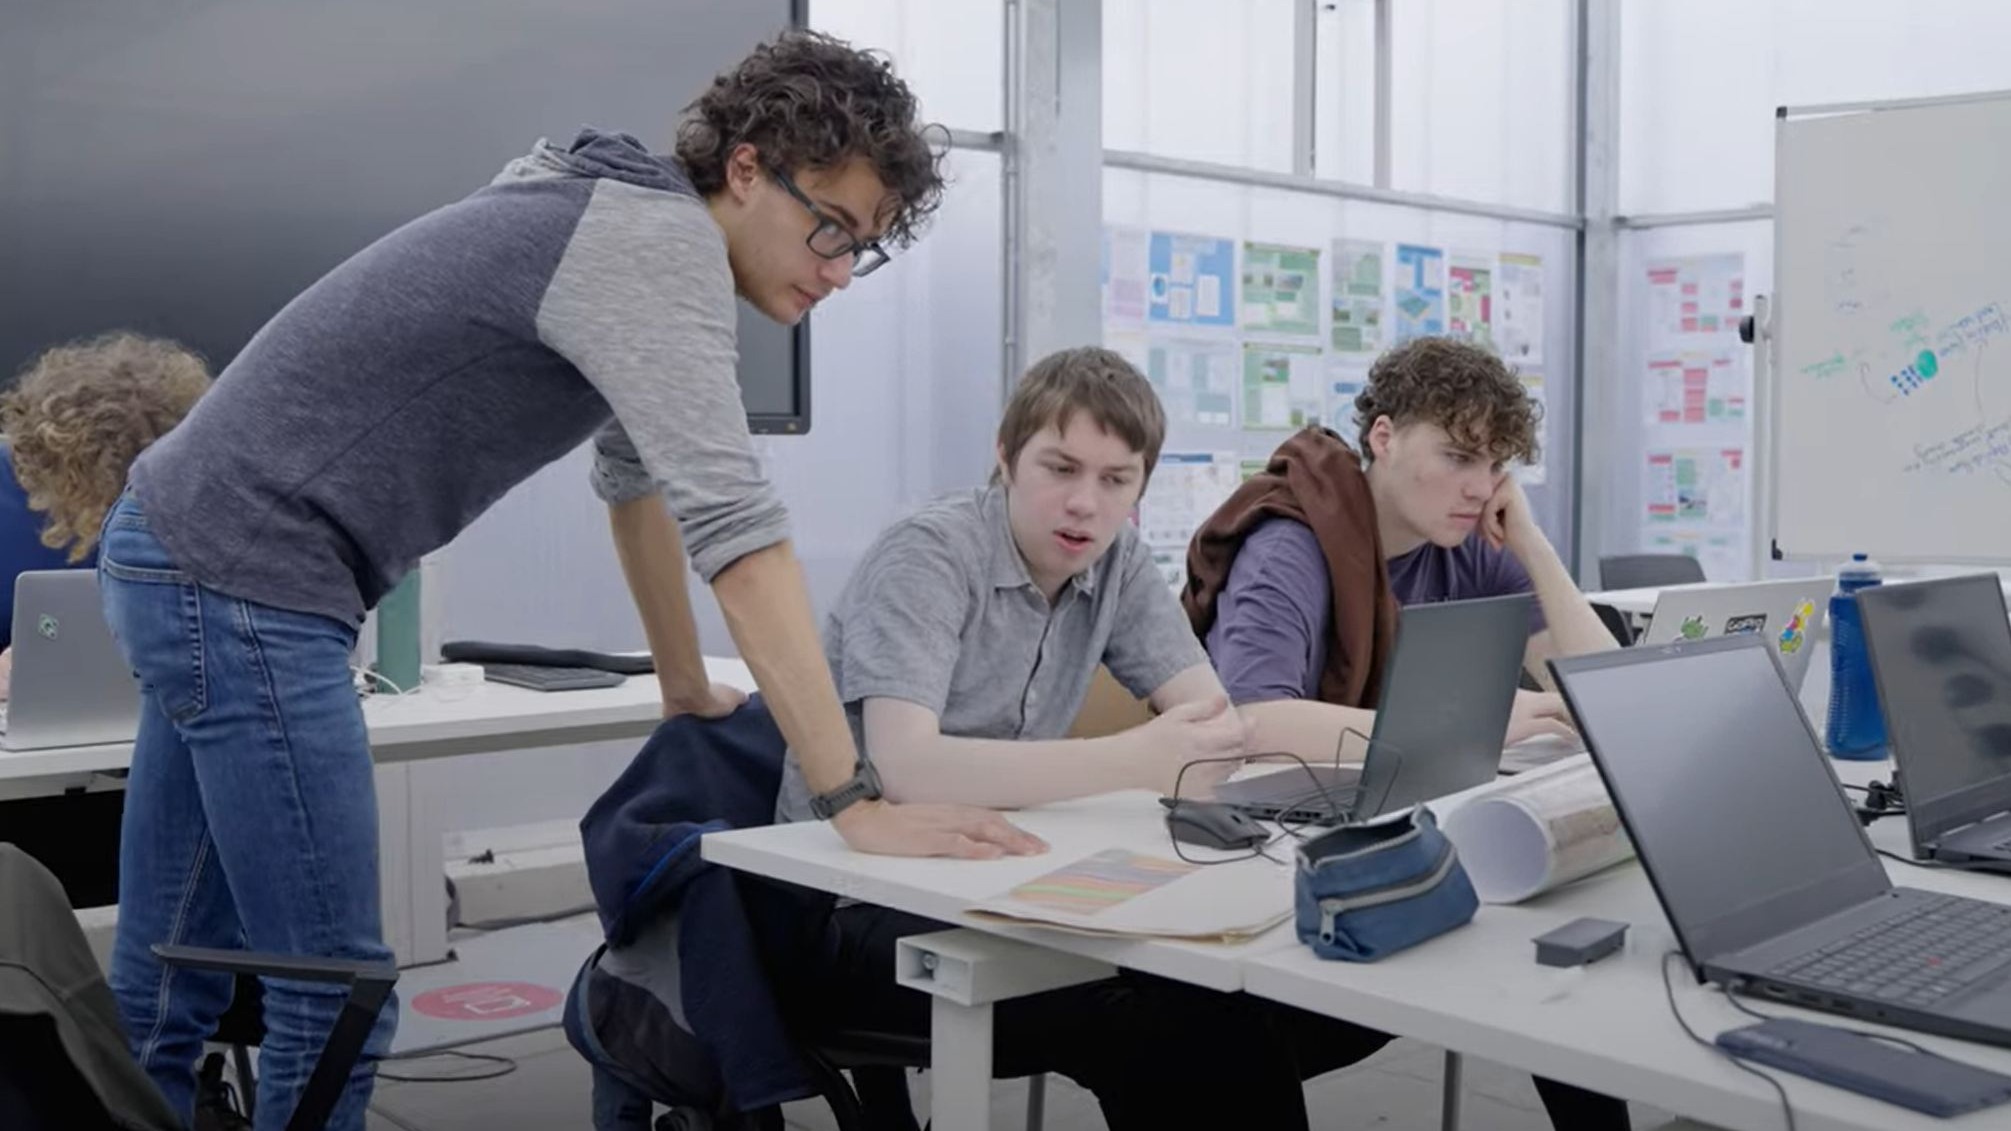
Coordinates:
1365 892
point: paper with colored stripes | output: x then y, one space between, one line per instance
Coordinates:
1121 892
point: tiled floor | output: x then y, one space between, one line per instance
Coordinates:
1395 1090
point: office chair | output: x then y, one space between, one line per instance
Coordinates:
1648 571
55 1089
1641 571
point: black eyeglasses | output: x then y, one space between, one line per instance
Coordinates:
830 239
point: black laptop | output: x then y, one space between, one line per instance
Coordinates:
1757 858
1941 651
1440 721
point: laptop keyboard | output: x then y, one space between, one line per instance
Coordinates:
1950 944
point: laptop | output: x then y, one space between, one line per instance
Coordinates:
1440 721
70 687
1941 655
1757 859
1786 613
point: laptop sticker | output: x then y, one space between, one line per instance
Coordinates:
1797 628
1692 628
1750 623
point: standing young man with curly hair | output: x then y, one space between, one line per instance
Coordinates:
587 292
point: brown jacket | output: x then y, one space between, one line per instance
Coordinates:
1316 479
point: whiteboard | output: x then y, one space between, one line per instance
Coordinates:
1891 422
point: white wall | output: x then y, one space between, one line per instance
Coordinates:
1700 81
1481 99
1200 79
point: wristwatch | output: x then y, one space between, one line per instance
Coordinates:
863 786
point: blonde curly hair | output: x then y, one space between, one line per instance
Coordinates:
80 414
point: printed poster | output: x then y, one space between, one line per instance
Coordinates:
1281 290
1533 474
1469 299
1358 297
1419 292
1196 381
1701 486
1691 301
1518 319
1345 382
1281 387
1696 388
1187 488
1125 275
1191 281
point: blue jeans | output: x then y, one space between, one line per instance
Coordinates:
251 820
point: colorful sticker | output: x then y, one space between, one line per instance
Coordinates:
1750 623
1692 628
1797 628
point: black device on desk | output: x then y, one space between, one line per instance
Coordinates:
1910 1077
486 652
1941 654
546 669
1212 824
1756 858
541 678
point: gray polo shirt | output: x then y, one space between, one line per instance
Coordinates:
941 612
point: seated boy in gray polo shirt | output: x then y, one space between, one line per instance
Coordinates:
963 648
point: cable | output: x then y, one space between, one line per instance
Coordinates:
507 1066
372 673
393 1120
1891 855
1669 989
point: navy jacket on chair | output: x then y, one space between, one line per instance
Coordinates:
641 838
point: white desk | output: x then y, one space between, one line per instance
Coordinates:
1475 990
812 854
430 723
1478 990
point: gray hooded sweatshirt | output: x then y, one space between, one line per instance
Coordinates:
584 292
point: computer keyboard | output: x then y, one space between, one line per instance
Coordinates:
539 677
1949 944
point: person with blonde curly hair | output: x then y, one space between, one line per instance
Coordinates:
72 423
80 414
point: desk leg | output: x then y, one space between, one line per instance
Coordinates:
1448 1110
394 879
965 972
960 1066
426 866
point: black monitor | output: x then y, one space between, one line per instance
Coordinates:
186 167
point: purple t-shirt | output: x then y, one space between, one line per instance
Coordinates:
1274 619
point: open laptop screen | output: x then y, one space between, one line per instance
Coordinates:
1730 804
1942 650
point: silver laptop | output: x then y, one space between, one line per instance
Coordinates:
1440 721
1786 613
1941 653
1758 860
70 687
